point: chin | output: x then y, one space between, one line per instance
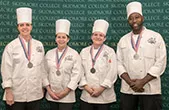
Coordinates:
135 29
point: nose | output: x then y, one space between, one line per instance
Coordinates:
24 26
134 20
97 36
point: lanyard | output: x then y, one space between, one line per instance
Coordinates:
59 60
27 52
97 54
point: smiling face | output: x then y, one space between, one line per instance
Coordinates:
62 39
135 21
25 29
98 39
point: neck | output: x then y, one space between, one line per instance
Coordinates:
26 38
138 31
96 46
60 49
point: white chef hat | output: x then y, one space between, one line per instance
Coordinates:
63 26
100 25
134 7
24 14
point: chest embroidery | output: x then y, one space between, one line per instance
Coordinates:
39 49
152 40
69 58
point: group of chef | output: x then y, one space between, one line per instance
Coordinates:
139 62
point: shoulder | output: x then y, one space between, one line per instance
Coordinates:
108 48
37 42
108 51
86 49
153 34
150 31
72 50
12 44
124 38
51 51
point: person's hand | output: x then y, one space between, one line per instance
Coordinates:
137 85
9 96
97 91
88 89
52 93
63 93
131 82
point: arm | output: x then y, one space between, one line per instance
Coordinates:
76 72
132 82
75 77
45 69
63 93
157 69
138 84
9 96
160 59
6 68
6 72
83 81
111 75
120 66
51 93
126 77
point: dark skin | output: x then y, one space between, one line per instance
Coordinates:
135 21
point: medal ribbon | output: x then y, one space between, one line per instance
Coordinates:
135 46
59 60
27 52
97 54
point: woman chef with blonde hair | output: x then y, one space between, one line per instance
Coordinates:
100 71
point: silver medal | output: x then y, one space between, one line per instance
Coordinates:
58 73
93 70
30 65
136 56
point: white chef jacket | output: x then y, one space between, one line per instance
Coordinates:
152 60
26 83
70 69
105 75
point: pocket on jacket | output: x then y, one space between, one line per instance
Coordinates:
16 57
149 51
68 65
37 58
149 54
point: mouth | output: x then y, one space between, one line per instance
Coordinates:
135 25
25 31
97 40
61 43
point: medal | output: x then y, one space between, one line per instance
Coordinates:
92 70
30 65
94 58
136 56
27 52
59 60
58 73
135 45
